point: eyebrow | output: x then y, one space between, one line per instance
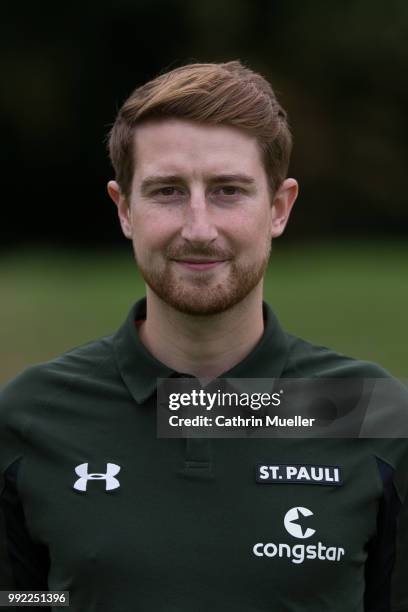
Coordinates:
233 178
156 179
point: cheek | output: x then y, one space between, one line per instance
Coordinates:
250 230
153 231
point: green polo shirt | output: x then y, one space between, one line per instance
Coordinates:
94 503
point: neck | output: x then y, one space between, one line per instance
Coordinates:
203 346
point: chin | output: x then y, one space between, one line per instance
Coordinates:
201 302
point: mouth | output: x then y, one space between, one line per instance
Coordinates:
199 264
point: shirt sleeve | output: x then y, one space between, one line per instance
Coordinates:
24 564
386 570
400 575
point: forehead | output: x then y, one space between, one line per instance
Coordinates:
175 146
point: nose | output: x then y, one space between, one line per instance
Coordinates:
198 227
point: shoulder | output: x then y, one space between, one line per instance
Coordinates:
381 400
311 361
308 360
39 384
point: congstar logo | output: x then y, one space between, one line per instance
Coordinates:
296 523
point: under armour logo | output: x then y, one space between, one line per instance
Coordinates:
110 481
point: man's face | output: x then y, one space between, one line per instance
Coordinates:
199 214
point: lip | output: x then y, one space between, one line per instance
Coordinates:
199 265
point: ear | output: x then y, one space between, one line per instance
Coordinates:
282 204
122 206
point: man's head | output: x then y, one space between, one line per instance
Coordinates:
193 189
213 94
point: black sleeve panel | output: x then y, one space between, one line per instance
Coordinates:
24 564
400 577
382 549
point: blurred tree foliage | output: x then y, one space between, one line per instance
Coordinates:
338 67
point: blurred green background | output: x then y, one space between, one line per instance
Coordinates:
339 275
352 297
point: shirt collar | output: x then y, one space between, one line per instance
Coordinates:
140 370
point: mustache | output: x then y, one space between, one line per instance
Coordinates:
207 253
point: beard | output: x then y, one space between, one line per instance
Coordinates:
198 294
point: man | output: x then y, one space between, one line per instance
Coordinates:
93 502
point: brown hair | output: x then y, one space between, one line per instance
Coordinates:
227 94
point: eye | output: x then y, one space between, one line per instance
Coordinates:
167 191
228 192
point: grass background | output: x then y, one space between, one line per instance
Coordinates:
351 296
